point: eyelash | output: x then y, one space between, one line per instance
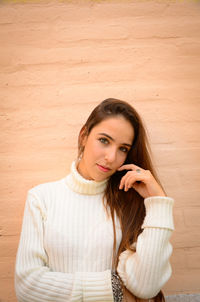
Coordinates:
125 150
105 141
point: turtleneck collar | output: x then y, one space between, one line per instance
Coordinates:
79 184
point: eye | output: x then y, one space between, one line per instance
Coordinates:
124 149
103 140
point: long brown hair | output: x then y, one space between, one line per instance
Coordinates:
132 212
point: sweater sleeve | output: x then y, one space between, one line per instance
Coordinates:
36 282
145 271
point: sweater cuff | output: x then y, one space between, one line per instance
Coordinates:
159 212
97 286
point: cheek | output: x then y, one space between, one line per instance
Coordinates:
94 149
121 158
98 147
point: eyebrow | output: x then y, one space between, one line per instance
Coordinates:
112 139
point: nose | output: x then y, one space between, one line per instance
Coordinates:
110 155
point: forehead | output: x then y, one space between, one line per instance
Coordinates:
118 128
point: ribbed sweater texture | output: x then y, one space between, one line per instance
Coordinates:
66 242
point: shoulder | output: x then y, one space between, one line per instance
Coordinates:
46 189
46 195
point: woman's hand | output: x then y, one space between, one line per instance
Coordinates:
147 185
128 296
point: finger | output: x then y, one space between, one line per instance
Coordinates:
136 185
129 167
130 181
123 179
121 185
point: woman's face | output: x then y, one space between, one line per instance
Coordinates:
106 148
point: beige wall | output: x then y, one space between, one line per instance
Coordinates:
57 61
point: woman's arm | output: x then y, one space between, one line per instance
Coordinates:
145 271
34 280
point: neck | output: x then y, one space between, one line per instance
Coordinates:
84 186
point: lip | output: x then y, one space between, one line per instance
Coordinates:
102 168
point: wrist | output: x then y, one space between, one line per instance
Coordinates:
157 195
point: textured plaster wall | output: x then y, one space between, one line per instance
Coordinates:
57 61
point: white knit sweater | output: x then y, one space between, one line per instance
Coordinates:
65 248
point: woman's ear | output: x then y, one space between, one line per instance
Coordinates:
82 140
83 136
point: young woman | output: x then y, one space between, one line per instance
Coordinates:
102 232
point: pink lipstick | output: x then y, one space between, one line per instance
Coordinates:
102 168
